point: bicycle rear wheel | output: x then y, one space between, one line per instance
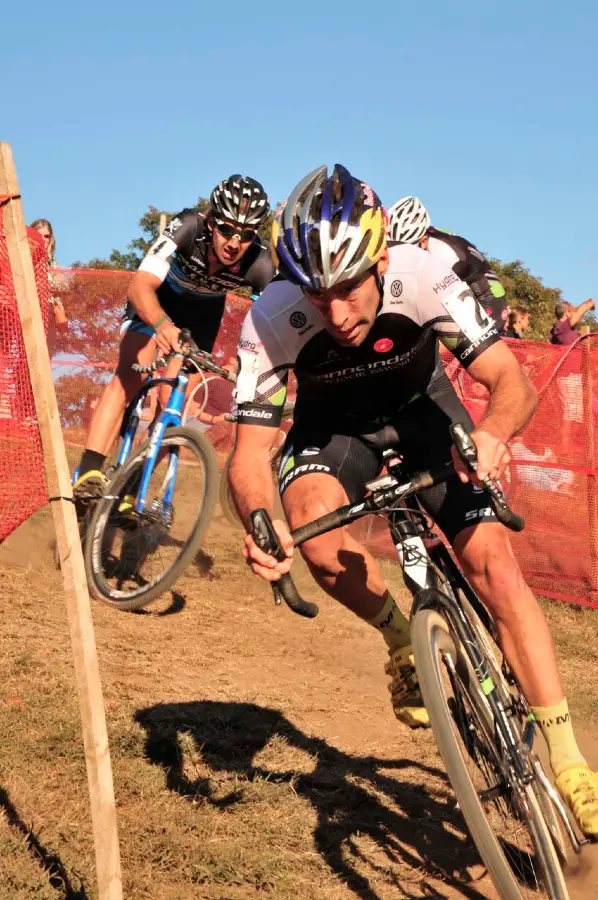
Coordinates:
503 815
130 558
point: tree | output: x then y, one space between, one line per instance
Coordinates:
528 290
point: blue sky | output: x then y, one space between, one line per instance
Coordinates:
486 110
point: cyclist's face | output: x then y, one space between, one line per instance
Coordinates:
349 309
230 247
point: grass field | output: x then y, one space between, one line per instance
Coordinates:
254 753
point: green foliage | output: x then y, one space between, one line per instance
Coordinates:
524 289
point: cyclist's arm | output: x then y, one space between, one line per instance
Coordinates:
155 266
260 393
513 397
580 311
449 307
250 471
143 295
512 403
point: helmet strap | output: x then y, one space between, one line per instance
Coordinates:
380 285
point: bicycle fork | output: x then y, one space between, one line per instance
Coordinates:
171 416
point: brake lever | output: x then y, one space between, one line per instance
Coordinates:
467 450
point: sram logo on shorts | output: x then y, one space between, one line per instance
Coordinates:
302 470
486 513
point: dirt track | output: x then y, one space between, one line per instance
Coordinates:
253 752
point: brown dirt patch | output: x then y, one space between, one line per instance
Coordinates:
253 752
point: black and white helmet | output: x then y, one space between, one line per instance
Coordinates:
408 221
240 200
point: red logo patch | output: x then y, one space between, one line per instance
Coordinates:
383 345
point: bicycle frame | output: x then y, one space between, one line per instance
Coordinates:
170 416
421 569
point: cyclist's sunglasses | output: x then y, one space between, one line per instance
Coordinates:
229 231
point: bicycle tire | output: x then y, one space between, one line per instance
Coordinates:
430 635
491 650
99 588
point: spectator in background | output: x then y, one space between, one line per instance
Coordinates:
518 322
58 282
570 384
567 317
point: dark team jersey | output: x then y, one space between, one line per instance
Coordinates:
180 258
464 258
192 297
423 302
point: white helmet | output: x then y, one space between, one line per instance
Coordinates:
408 221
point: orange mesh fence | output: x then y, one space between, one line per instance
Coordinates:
551 481
22 482
552 478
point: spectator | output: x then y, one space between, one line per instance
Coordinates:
518 322
567 316
58 282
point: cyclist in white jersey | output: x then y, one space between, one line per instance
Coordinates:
360 327
409 222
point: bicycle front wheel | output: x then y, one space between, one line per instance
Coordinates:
503 816
132 558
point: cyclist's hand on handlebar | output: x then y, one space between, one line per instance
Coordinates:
493 458
167 338
264 565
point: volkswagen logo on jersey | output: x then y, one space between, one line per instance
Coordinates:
383 345
396 288
298 319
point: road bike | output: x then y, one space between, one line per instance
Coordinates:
482 723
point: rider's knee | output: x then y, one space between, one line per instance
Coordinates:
488 560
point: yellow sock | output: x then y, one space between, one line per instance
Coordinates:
391 622
555 725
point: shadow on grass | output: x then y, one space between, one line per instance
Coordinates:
49 862
420 830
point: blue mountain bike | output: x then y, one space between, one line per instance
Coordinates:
149 525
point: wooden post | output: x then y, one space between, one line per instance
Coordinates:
87 675
162 222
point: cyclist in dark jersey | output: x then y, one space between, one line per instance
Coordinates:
409 223
181 283
360 325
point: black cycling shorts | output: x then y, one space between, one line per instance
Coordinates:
200 313
424 442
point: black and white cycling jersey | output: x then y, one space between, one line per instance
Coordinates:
423 302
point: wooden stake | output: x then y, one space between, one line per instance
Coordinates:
87 675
